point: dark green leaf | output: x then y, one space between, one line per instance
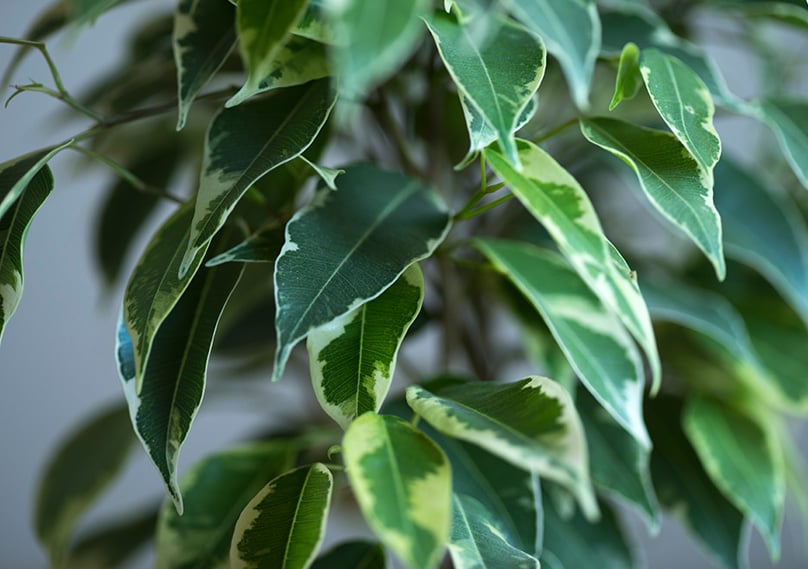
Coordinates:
262 246
353 554
788 118
17 173
115 543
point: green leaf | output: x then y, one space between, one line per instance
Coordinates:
263 27
497 66
216 491
402 482
671 178
594 341
14 226
246 142
531 423
87 11
746 464
83 467
348 246
780 12
353 357
17 173
314 25
114 543
571 30
629 79
204 37
327 175
299 61
284 524
559 203
359 554
477 542
373 39
262 246
788 118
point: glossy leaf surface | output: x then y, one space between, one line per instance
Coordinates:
629 79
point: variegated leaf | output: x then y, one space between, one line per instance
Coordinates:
17 173
788 118
327 175
531 423
349 246
262 246
299 61
284 524
629 79
402 481
314 24
497 66
359 554
352 358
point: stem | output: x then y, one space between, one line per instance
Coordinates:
469 213
555 131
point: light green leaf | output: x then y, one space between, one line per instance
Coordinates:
671 178
596 344
788 118
284 524
14 226
571 30
216 491
497 66
746 464
314 25
402 482
359 554
113 543
629 79
373 40
17 173
531 423
262 246
348 246
559 203
327 175
263 28
780 12
477 542
83 467
353 357
86 11
299 61
246 142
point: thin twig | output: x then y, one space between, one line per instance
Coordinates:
555 131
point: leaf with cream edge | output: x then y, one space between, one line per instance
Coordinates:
497 66
476 541
788 118
403 484
263 26
246 142
587 332
359 554
743 461
559 203
571 31
314 24
349 246
262 246
204 36
629 80
284 524
352 358
671 178
299 61
530 423
200 538
17 173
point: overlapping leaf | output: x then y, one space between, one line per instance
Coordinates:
629 79
299 61
262 246
788 118
531 423
402 482
314 24
16 174
348 247
113 543
364 554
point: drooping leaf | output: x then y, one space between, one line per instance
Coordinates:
571 30
670 177
402 481
352 358
263 27
284 524
476 541
17 173
262 246
215 492
114 543
531 423
349 246
629 79
596 344
14 226
559 203
246 142
204 36
83 467
745 463
497 66
364 554
788 118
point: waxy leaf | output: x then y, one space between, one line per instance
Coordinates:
262 246
246 142
16 174
571 31
629 79
745 463
216 491
531 423
559 203
14 226
113 543
284 524
84 466
353 357
360 554
263 27
788 118
402 482
299 61
476 541
204 36
595 342
314 24
348 246
497 70
671 178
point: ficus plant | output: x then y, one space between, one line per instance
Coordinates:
494 375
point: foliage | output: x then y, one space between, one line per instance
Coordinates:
368 150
